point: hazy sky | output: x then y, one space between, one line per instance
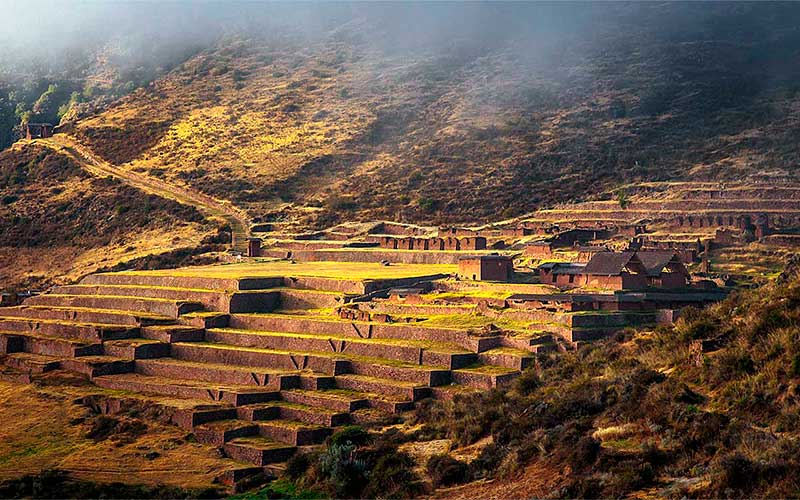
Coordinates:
30 30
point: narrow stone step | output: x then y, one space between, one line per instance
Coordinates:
189 418
259 451
136 349
342 401
164 307
187 389
245 356
239 477
172 333
358 330
205 319
220 432
284 410
386 387
48 346
274 379
85 315
293 432
212 299
32 363
409 351
507 357
484 376
420 374
97 366
162 278
66 329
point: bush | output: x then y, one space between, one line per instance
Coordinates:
350 435
298 465
735 472
445 470
392 476
585 453
428 205
344 473
527 382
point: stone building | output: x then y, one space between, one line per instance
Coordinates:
38 130
485 268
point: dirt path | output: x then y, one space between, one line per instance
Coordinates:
237 218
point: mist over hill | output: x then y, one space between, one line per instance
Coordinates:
430 112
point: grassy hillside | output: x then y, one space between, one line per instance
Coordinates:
357 121
58 221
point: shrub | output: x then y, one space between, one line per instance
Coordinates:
527 382
585 453
445 470
428 205
345 474
350 435
735 472
392 476
731 364
298 465
488 461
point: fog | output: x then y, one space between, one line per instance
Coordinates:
44 36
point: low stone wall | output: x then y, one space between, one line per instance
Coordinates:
163 307
182 281
423 310
202 354
371 348
396 256
308 299
212 373
783 240
85 333
279 323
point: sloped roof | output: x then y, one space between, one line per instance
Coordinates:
564 267
609 263
655 261
485 257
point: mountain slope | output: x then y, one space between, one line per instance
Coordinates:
354 122
59 222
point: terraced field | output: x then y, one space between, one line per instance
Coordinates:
256 361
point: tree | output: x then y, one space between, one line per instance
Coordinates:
622 199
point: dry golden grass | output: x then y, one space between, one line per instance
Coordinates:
338 270
42 429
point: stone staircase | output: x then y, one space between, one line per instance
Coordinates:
258 366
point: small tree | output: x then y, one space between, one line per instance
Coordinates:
622 199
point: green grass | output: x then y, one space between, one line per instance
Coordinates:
487 369
281 488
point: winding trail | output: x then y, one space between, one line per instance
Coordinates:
208 205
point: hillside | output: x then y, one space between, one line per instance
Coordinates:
59 222
357 121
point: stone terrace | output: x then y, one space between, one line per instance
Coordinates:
255 357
